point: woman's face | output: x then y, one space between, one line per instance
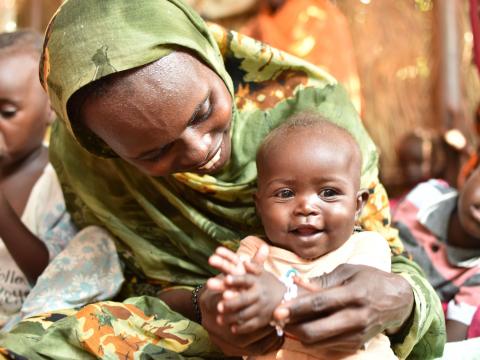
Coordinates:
169 116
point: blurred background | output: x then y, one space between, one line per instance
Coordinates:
408 64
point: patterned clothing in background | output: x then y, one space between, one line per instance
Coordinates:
84 266
166 228
423 219
46 217
313 30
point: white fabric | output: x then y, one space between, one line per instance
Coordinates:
461 312
14 286
462 350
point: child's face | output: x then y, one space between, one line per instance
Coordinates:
412 162
308 193
469 204
24 107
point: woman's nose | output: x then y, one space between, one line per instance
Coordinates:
307 205
196 148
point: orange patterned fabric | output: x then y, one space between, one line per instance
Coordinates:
314 30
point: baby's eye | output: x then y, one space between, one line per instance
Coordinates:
328 193
284 194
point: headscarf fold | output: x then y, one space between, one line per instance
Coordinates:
167 227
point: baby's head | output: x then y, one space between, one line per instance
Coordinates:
309 192
24 106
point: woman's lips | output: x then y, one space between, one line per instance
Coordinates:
3 146
215 158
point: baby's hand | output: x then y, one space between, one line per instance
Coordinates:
227 262
250 305
230 263
246 290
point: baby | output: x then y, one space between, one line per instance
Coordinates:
308 199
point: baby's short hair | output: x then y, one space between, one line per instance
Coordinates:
21 40
303 120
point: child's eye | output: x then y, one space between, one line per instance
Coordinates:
284 194
328 193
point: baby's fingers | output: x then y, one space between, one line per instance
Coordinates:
237 301
227 255
216 284
243 315
240 281
225 265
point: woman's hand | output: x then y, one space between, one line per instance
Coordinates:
254 343
347 307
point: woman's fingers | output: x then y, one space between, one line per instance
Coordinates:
246 327
311 305
339 276
337 328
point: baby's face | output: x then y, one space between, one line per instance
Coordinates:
24 107
308 193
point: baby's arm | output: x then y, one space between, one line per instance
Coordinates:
29 252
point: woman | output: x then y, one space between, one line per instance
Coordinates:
161 119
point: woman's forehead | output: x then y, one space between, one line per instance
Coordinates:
155 100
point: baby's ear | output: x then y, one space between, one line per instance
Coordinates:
362 197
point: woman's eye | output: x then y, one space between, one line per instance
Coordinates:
204 112
156 155
328 193
8 112
284 194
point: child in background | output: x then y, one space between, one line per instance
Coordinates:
440 228
34 223
24 116
308 199
424 155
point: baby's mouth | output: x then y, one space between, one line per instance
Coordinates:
305 230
